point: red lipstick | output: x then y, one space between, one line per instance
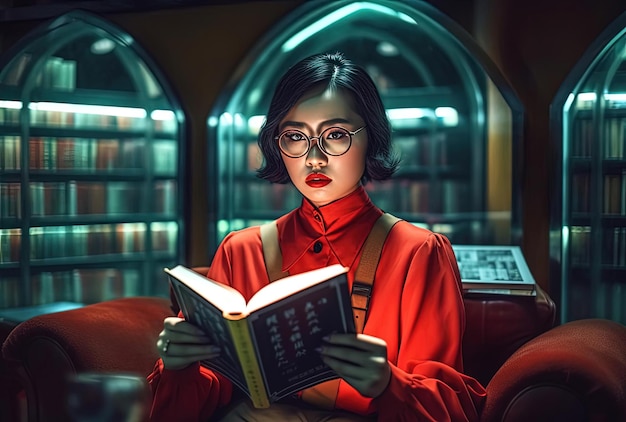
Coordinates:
317 180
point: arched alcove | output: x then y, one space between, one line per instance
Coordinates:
588 221
90 166
455 121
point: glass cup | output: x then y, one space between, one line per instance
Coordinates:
99 397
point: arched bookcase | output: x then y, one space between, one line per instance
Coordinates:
455 121
588 220
90 167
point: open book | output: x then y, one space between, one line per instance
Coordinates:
268 344
494 270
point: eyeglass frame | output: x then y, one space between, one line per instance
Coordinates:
320 145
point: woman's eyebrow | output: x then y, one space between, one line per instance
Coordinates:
302 125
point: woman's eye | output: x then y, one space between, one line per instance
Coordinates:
336 135
295 136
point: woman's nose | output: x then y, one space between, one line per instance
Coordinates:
315 157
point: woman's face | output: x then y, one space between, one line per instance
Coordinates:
319 177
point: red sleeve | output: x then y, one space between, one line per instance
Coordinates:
423 334
189 394
186 395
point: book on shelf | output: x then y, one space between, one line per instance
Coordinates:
494 270
10 150
268 345
612 193
66 153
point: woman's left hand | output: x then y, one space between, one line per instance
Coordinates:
361 360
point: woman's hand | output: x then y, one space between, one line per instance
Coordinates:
181 343
361 360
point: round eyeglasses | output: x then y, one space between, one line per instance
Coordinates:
332 141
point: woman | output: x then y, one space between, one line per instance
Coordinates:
327 133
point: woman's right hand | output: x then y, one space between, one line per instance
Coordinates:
181 343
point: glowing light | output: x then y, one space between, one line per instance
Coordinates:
162 115
102 46
213 121
239 120
11 104
226 119
336 16
405 113
89 109
448 115
254 124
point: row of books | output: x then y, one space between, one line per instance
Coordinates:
89 240
10 152
10 116
613 140
613 193
262 196
421 196
79 285
73 198
10 200
609 300
430 149
403 196
89 154
58 74
614 245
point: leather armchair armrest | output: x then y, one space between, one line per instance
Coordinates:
574 372
114 336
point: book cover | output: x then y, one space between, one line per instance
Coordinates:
268 344
494 269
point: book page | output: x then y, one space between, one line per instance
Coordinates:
288 332
224 297
287 286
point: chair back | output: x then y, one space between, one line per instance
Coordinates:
497 325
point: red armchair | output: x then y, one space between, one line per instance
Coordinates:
533 372
118 336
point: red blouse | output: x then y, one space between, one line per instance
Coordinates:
416 307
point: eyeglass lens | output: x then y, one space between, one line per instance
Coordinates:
332 141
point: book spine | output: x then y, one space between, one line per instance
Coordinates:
242 340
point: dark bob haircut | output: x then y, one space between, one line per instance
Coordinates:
335 72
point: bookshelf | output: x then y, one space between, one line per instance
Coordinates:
589 220
90 159
455 121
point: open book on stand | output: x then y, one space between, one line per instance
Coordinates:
494 270
268 344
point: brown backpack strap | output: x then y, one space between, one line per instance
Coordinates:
365 272
271 252
324 395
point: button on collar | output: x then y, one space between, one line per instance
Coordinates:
317 247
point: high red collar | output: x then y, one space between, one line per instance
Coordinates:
344 224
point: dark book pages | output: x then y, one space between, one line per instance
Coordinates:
268 345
